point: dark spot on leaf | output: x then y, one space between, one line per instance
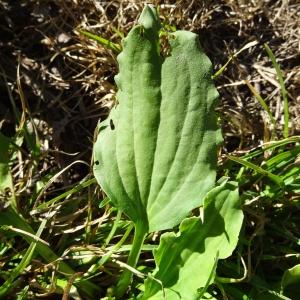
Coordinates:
142 30
112 125
97 162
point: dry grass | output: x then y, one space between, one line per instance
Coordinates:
68 79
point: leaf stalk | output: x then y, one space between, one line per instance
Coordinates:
138 241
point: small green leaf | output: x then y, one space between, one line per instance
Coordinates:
291 276
104 202
185 260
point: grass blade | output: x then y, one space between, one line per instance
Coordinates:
283 90
263 104
102 41
222 69
75 189
258 169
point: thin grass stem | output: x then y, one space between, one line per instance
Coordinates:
283 91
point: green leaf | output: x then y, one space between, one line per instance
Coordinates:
155 155
291 276
185 260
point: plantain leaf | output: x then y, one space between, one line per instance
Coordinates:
155 155
186 260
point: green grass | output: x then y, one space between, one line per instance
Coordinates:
283 90
269 244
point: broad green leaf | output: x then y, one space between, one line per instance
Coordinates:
185 260
155 155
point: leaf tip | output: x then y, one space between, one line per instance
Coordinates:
149 18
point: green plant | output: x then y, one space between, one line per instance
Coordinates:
155 158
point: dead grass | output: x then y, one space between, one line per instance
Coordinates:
68 79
